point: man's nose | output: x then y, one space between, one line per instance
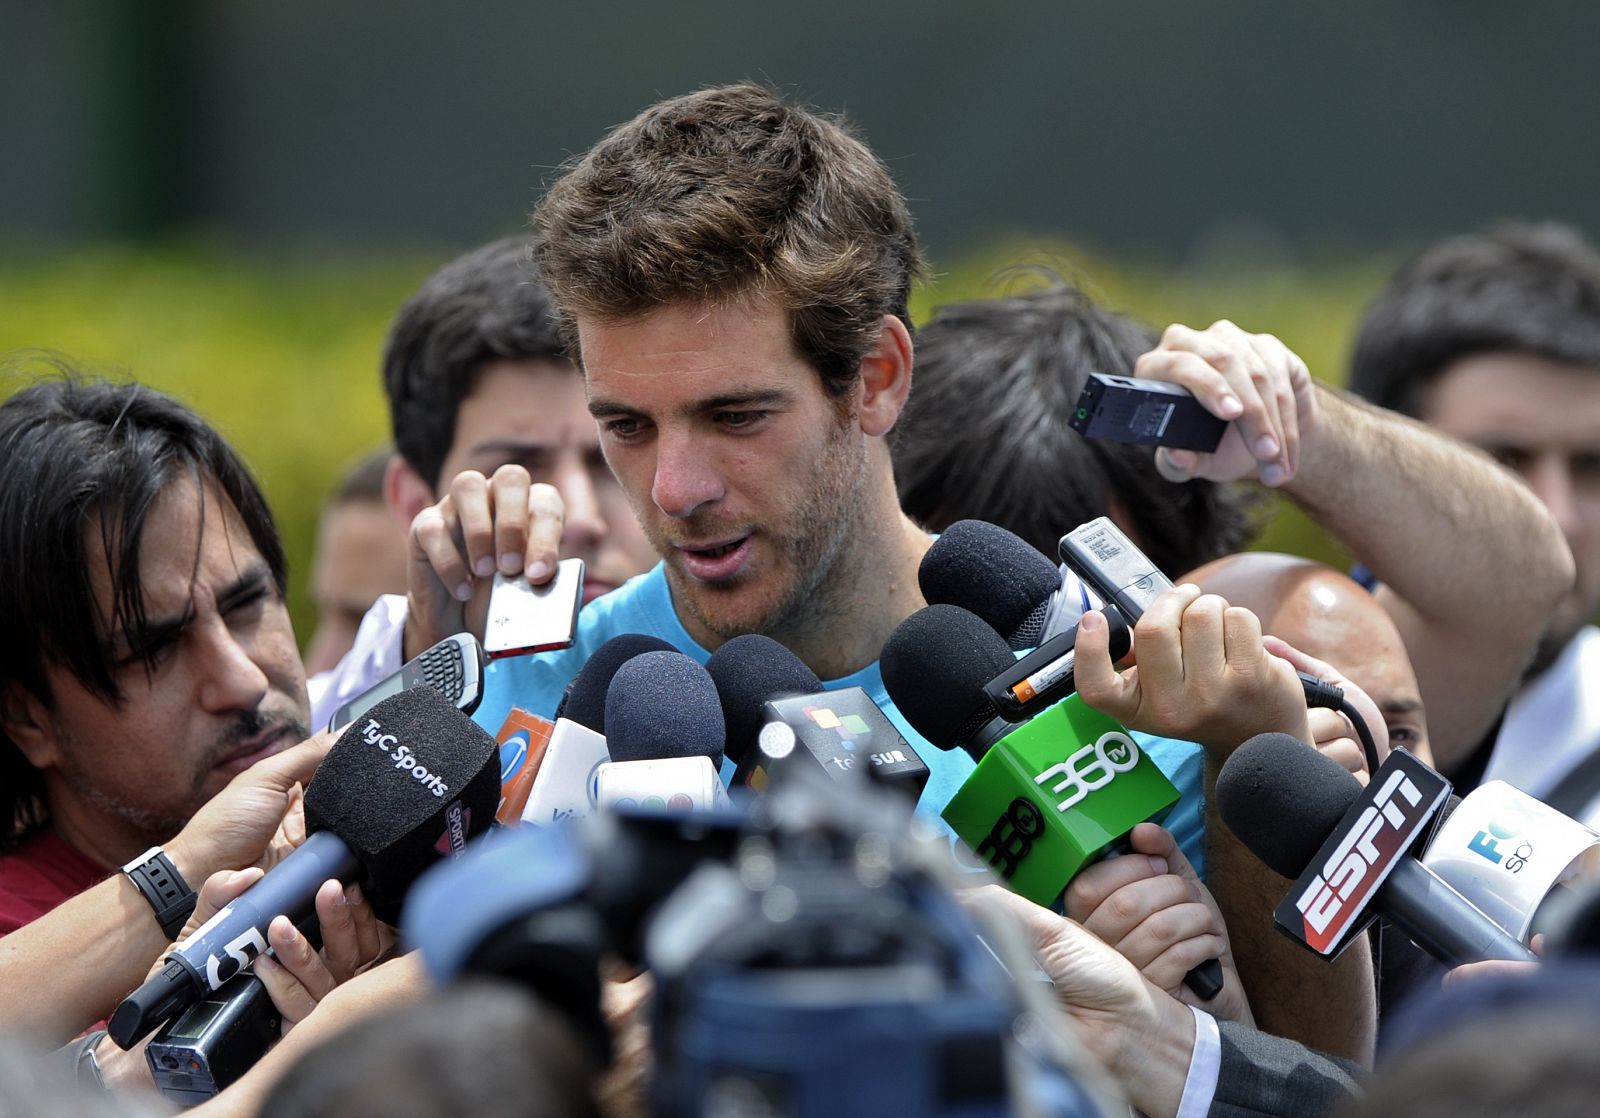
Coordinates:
685 480
1549 475
231 679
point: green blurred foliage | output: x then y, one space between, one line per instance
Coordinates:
282 353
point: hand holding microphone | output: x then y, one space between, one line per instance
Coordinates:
1203 674
1152 907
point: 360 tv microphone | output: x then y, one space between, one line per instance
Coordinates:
407 783
1048 796
1351 850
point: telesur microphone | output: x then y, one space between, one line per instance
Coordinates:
666 736
407 783
750 671
565 787
1351 850
770 695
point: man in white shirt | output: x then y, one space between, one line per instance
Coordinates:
1495 339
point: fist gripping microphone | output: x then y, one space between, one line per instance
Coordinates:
1049 796
665 736
406 784
565 785
776 707
1350 849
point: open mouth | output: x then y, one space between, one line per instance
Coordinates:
717 562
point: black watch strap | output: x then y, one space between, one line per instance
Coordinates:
154 875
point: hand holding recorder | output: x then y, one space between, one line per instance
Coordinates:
502 524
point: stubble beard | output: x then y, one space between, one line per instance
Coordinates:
157 823
808 551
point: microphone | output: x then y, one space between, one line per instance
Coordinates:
666 736
1002 578
1049 796
777 709
584 699
749 671
522 739
406 784
1508 853
1349 849
565 785
1007 582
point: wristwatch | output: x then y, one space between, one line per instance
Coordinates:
160 883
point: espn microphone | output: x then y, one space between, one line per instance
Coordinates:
565 785
665 738
1351 849
407 783
1049 796
769 696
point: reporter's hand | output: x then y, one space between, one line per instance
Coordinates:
454 548
301 976
1143 1037
1255 381
1332 732
1152 907
245 823
1202 674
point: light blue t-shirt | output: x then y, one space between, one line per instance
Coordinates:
644 605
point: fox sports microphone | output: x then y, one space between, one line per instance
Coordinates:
1508 854
665 738
1049 796
564 787
769 696
1350 850
407 783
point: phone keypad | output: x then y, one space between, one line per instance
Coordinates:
443 668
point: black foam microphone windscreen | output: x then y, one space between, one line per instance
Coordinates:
1282 799
750 671
584 700
663 704
407 781
994 573
934 667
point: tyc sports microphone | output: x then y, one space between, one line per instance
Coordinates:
1351 850
666 736
403 786
768 693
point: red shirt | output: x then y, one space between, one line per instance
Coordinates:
38 875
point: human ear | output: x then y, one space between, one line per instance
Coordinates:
885 380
